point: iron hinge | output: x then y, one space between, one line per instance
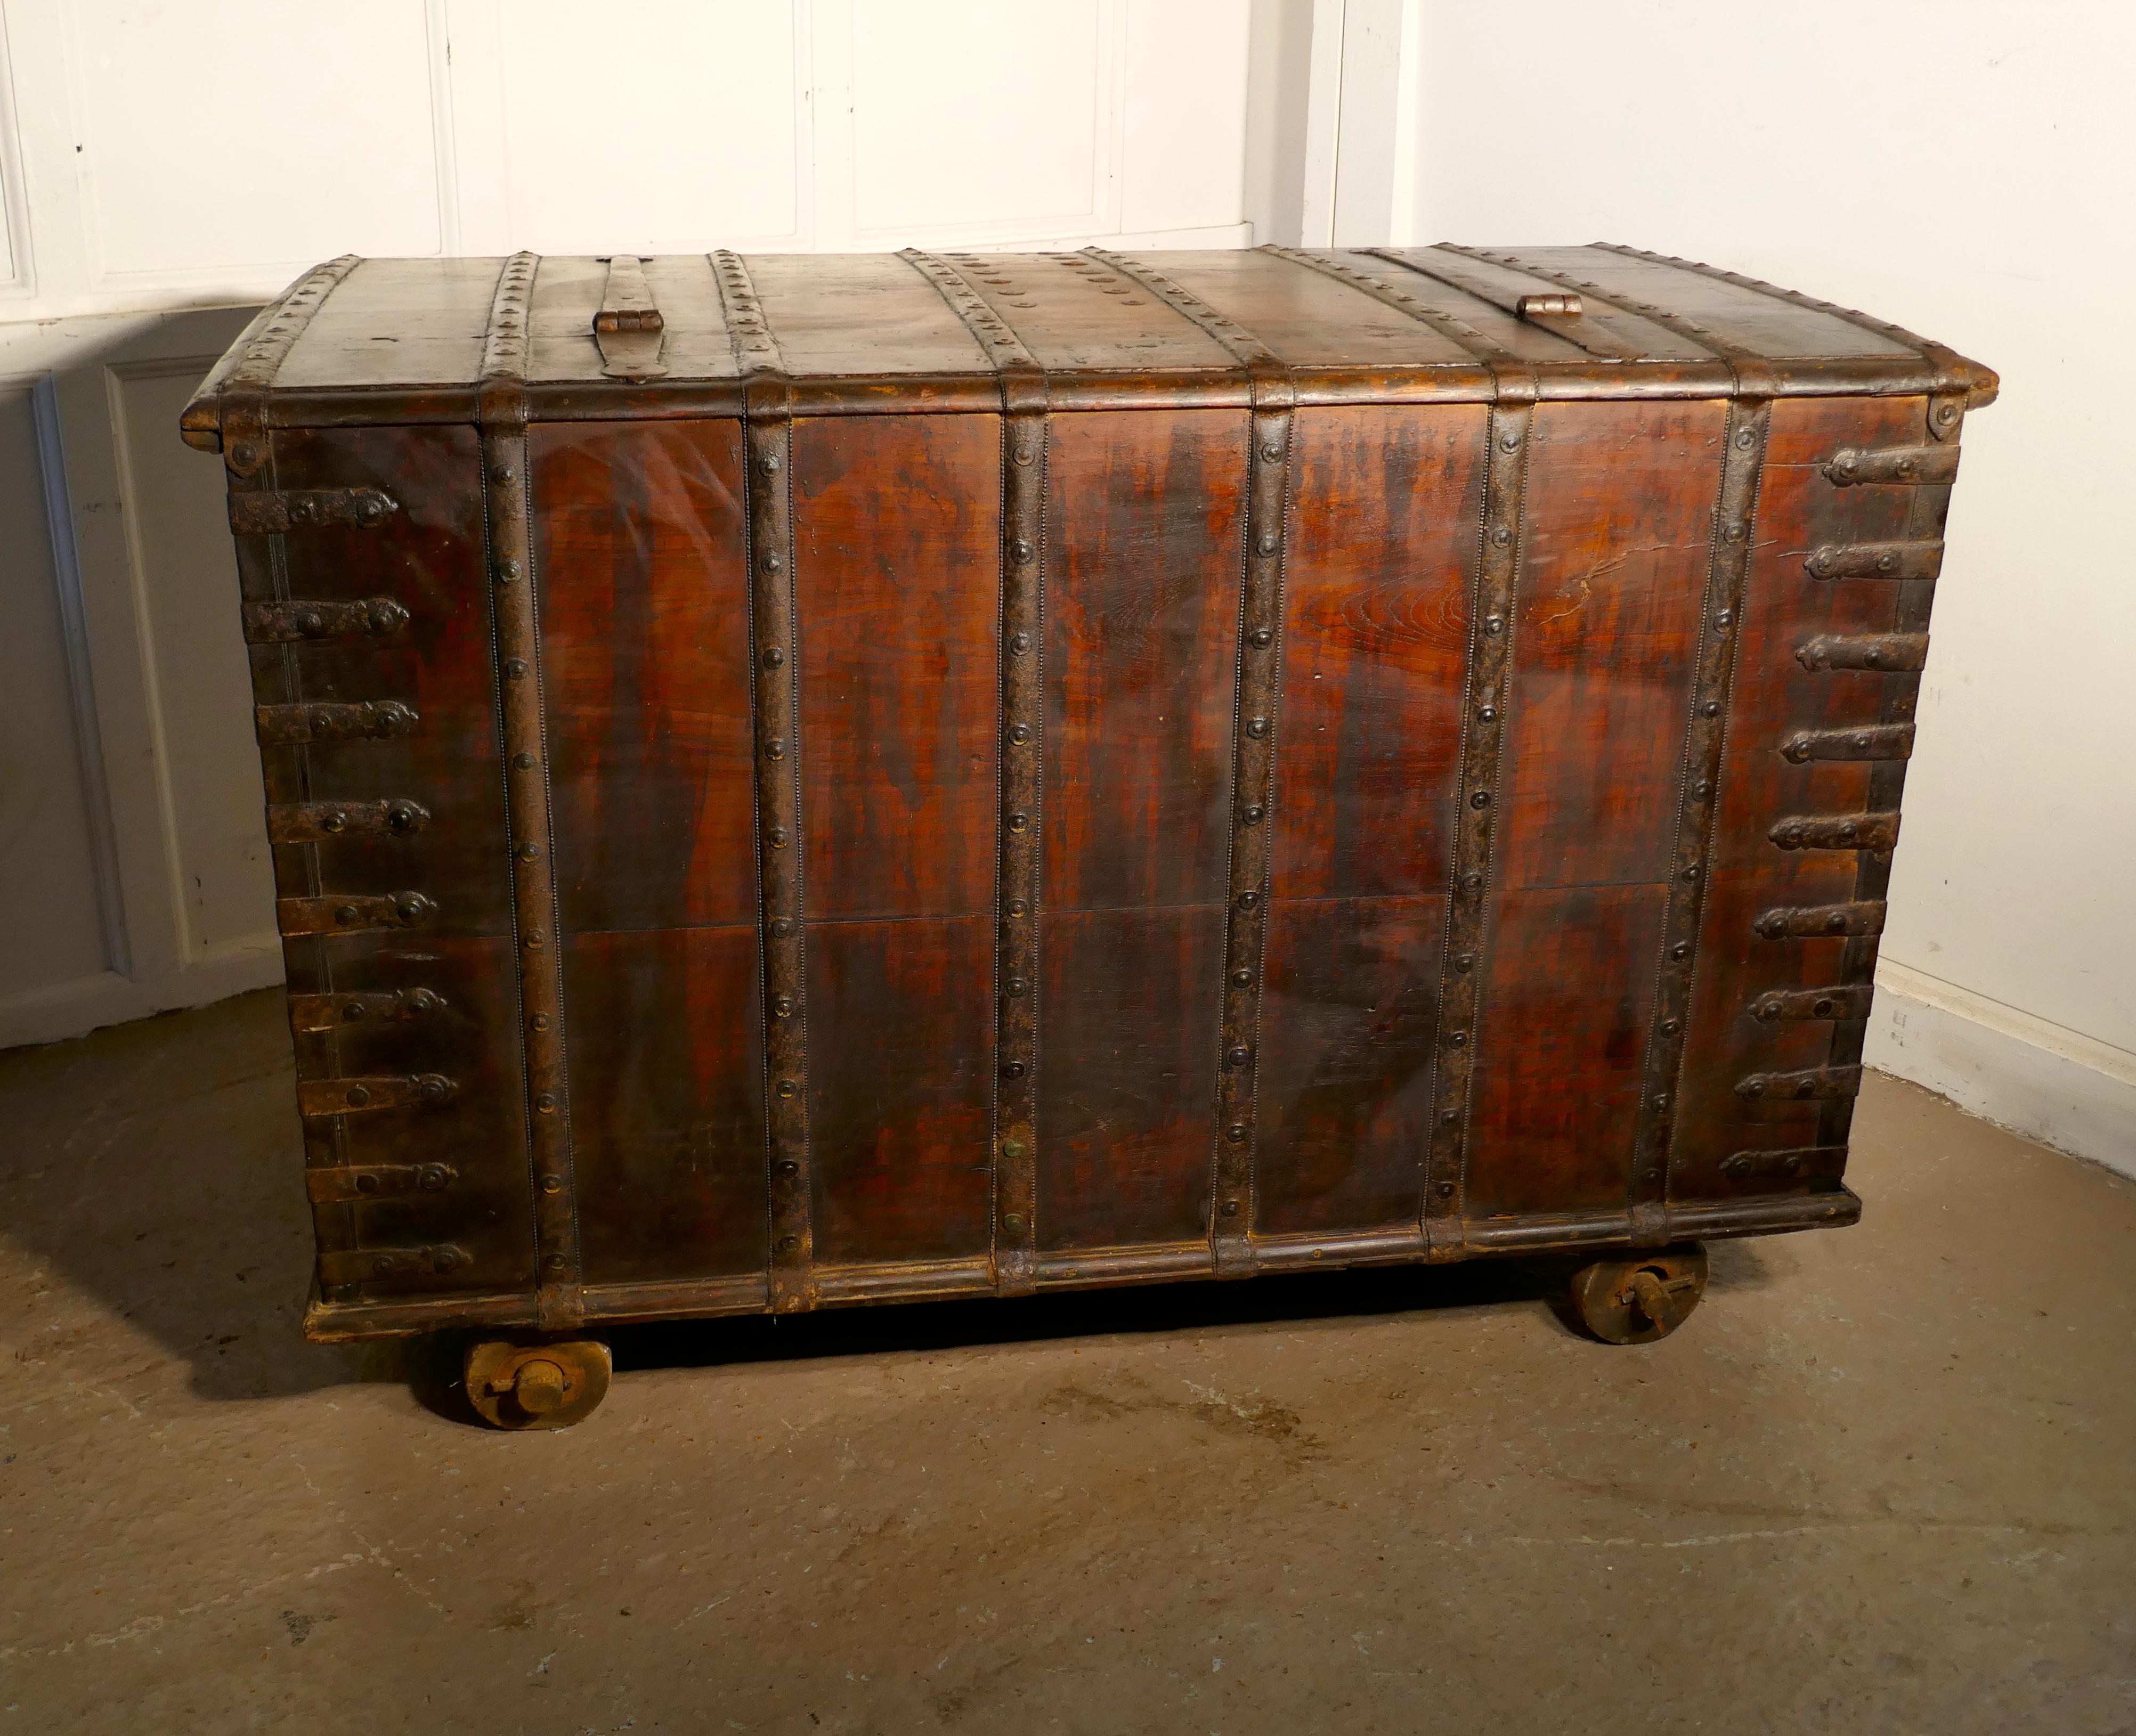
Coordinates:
267 513
1885 652
1811 1083
357 1183
1872 741
1875 560
1849 1001
355 1265
330 1012
281 727
1820 1160
351 914
1877 832
628 326
1818 922
378 1091
309 822
280 623
1906 466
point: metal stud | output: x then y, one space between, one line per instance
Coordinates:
523 760
773 658
1263 636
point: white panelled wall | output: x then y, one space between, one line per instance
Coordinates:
1947 163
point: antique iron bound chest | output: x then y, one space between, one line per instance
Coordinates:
810 780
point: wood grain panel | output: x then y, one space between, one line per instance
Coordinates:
1563 1031
1619 523
667 1102
1385 505
1774 696
1348 1008
896 577
1145 564
901 1030
1126 1097
428 557
639 543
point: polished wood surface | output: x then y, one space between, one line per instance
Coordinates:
856 997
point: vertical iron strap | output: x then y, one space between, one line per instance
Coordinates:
1698 804
1253 757
1025 435
775 659
515 634
263 565
1485 701
1486 695
1749 417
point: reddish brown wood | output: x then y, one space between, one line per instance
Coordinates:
1144 569
1380 556
667 1101
770 646
1127 1071
644 600
1348 1012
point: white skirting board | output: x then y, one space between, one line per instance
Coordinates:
2042 1080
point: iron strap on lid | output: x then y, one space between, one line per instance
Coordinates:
775 684
1253 719
1026 435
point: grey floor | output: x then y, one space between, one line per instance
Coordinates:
1885 1480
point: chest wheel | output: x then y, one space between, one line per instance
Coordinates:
536 1385
1637 1299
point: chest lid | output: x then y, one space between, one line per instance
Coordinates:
362 341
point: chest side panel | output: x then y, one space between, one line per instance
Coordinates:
896 551
1615 543
1145 559
1773 988
1380 555
644 600
373 666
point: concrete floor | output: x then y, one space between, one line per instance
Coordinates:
1884 1481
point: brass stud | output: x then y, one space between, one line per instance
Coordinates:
1020 644
1682 949
772 562
1502 535
1020 734
787 1166
335 821
1243 979
552 1184
524 761
1237 1057
540 1021
1011 1148
783 1007
1013 1069
1267 544
1248 901
1012 1221
786 1088
773 658
1263 636
1230 1208
515 668
1458 1039
1257 727
1446 1190
783 927
1236 1133
355 1096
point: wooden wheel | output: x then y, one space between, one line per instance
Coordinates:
1637 1299
536 1385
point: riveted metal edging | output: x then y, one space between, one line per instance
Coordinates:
1750 415
1485 697
1026 429
515 630
775 652
1258 671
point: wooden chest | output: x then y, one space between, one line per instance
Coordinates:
810 780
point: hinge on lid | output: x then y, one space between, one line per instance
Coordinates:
1554 305
270 511
627 326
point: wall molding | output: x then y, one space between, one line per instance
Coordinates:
2036 1078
